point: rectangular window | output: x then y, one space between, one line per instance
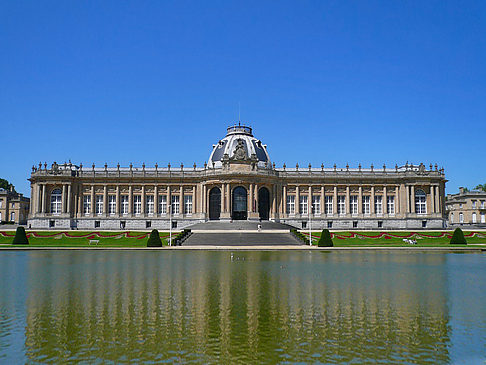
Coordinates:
355 224
87 204
150 204
99 204
329 205
52 223
188 204
124 204
420 205
137 204
366 204
474 204
483 218
390 204
482 204
163 204
175 204
378 204
112 204
474 219
97 224
148 224
303 204
12 217
316 204
341 204
290 204
380 224
461 218
353 204
329 224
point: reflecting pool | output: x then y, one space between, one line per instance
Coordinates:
242 307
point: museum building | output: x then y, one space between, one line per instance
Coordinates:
239 182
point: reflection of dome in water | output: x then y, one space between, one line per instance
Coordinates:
239 144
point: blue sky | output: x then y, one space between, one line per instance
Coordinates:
319 81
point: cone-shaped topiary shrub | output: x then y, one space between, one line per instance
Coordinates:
325 240
154 239
458 238
20 237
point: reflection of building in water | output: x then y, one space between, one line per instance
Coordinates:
239 182
262 305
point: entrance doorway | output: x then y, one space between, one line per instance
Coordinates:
214 203
264 203
240 206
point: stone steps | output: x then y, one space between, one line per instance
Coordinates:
241 239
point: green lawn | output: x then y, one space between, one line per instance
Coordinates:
395 239
82 238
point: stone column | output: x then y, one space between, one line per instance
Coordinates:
372 200
384 202
323 199
39 199
181 200
250 200
204 203
228 196
437 196
412 197
348 202
255 207
360 200
194 199
117 200
334 200
407 191
63 200
297 199
284 201
69 200
43 207
130 200
397 200
93 203
274 201
143 210
105 200
432 199
156 200
309 200
80 201
168 200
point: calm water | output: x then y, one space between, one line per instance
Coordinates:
259 307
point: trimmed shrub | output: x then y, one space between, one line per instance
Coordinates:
20 237
154 239
458 238
325 240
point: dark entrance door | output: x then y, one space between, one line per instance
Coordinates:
264 203
214 203
240 207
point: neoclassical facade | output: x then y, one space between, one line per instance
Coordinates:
239 183
467 208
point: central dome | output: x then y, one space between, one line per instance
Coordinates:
239 144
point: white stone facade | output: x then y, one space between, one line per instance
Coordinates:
239 182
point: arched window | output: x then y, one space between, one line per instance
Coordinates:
56 201
461 218
474 218
420 202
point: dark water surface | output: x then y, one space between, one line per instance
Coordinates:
254 307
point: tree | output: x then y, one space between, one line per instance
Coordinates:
458 237
325 240
154 239
481 187
20 237
4 184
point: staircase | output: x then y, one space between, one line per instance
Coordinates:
241 233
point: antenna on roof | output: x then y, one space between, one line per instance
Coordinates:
239 112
